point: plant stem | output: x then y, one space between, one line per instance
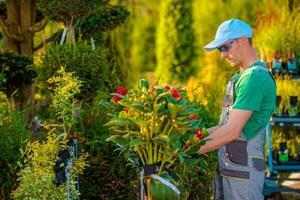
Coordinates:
145 156
150 152
155 153
141 156
161 165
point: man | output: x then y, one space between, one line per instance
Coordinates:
246 109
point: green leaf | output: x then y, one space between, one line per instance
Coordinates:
159 90
138 122
144 83
182 102
105 104
194 149
139 106
136 142
121 141
161 138
171 100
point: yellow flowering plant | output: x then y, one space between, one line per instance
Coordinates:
159 126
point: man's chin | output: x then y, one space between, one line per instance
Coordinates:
232 64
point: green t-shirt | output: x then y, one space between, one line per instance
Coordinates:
255 91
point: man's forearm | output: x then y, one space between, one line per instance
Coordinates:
228 132
218 138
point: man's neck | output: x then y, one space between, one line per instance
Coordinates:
249 60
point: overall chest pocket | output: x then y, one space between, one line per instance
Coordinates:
236 152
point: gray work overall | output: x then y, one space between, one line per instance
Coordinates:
241 165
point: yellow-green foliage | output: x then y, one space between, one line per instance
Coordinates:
208 85
66 86
278 28
175 44
285 88
36 179
142 58
13 134
166 40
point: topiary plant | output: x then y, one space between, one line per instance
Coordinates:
96 69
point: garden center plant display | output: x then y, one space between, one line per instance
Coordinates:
160 130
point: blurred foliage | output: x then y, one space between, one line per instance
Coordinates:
66 11
287 87
102 18
278 28
134 41
143 39
175 39
109 176
97 69
208 85
16 70
13 136
290 135
2 8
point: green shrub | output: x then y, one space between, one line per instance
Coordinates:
97 69
102 18
36 178
109 176
175 39
13 135
16 71
67 10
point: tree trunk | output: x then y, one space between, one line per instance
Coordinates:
12 25
19 33
20 22
27 19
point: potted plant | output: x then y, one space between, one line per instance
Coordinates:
159 129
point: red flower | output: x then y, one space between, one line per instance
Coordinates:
193 116
167 88
116 99
199 134
121 91
152 89
175 94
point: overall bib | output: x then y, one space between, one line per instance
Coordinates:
241 165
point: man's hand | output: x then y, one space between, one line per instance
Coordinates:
228 132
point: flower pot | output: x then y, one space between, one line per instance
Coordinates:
293 109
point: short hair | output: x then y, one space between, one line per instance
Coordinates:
250 41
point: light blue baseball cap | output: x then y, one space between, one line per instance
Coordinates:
231 29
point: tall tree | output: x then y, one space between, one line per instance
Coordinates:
175 49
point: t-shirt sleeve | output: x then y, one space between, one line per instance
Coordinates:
249 93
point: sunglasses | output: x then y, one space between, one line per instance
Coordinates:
226 47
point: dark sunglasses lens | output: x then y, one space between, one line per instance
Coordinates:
225 48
